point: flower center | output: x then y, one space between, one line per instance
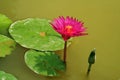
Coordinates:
42 34
68 29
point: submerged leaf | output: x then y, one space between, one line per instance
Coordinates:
6 45
44 63
6 76
36 34
4 24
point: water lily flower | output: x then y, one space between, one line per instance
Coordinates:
68 27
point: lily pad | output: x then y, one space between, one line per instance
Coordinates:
44 63
4 24
6 76
6 45
36 34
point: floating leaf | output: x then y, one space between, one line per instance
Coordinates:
4 24
37 34
6 76
44 63
6 45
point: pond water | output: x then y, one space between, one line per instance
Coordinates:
101 17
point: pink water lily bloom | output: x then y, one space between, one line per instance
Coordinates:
68 27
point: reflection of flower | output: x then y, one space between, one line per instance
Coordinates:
68 27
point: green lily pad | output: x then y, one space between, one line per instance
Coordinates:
4 24
6 76
36 34
44 63
6 45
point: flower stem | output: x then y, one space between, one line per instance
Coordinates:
65 51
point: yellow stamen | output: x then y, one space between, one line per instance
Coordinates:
68 29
